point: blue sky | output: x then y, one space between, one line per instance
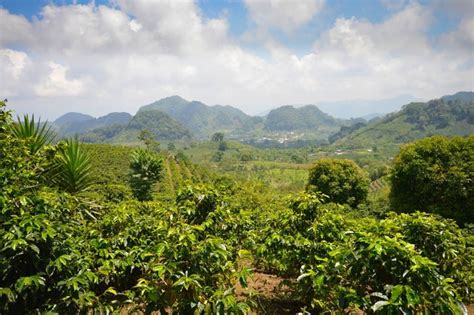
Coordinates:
94 57
240 22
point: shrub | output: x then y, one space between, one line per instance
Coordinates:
341 180
145 170
435 175
379 273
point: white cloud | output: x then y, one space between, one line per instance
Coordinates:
56 83
285 15
14 29
12 68
97 59
461 40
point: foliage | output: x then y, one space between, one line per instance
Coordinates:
379 273
436 175
36 134
71 169
372 265
218 156
145 170
101 251
149 141
204 120
196 202
449 116
289 118
62 254
341 180
218 137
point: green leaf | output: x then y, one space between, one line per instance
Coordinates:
379 305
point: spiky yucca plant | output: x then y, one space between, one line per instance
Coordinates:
37 134
72 167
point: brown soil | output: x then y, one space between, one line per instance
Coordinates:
272 297
270 294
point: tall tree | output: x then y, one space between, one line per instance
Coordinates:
435 175
341 180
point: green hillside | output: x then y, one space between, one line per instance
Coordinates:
159 124
449 116
76 123
309 117
204 120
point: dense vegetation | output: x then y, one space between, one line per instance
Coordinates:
204 120
309 117
341 180
174 118
151 230
437 175
449 115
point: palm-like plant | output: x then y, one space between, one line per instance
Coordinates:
72 167
36 134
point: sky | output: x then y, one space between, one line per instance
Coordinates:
96 57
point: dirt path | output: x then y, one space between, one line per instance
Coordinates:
270 294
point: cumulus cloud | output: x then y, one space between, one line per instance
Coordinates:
12 68
284 15
57 84
97 59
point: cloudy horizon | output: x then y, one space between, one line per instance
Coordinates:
104 56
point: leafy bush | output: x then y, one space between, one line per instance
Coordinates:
379 273
405 263
145 170
196 202
435 175
341 180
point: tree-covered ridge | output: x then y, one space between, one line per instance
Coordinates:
203 120
77 123
306 118
159 124
449 116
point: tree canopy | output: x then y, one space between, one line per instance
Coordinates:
341 180
436 175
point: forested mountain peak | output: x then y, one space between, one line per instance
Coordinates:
290 118
72 117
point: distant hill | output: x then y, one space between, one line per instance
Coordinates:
204 120
77 123
465 97
361 108
449 115
306 118
72 118
158 123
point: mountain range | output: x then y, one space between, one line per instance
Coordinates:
175 118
